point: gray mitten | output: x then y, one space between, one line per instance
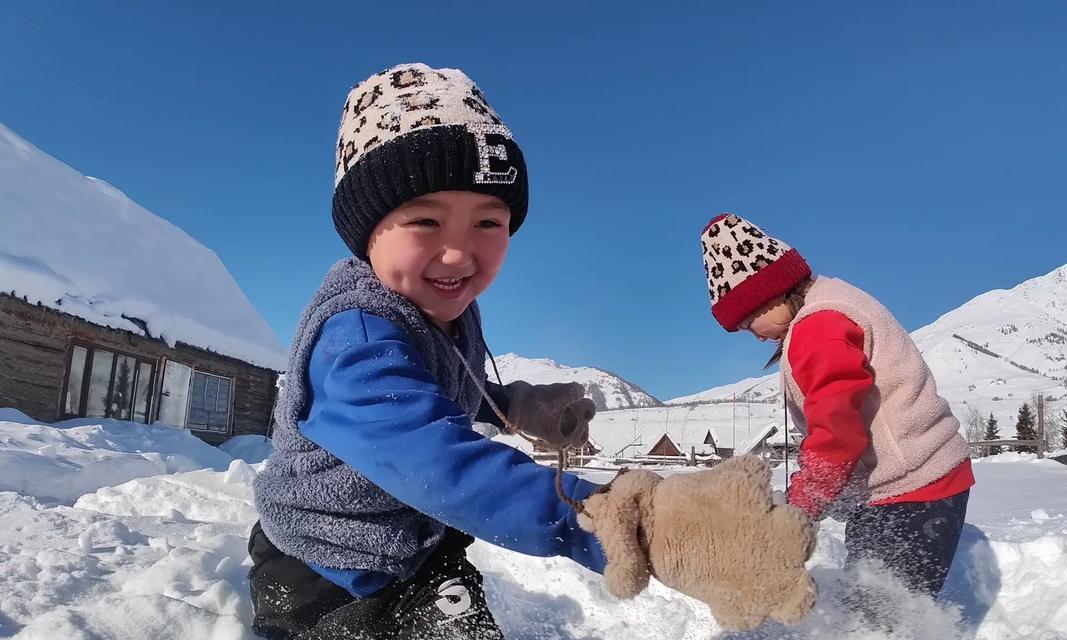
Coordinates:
557 413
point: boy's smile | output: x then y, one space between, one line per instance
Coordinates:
441 250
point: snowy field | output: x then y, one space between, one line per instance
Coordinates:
117 530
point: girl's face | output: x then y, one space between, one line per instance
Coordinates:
771 321
441 250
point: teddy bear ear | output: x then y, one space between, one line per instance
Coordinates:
627 572
613 513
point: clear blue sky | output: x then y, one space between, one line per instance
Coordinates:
918 149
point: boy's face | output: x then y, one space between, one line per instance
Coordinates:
441 250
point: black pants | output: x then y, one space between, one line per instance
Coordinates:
443 600
915 540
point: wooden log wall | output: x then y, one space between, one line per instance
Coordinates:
35 344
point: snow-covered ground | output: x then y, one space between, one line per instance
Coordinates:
125 531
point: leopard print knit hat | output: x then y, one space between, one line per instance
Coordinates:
746 268
412 130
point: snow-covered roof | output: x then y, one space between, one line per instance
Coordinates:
78 245
630 432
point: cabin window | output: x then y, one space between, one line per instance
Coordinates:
195 399
209 402
105 384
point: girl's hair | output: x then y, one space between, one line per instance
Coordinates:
795 300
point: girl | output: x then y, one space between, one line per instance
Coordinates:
881 447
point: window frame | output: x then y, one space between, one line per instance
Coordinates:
229 405
83 398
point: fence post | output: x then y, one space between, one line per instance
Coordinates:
1040 426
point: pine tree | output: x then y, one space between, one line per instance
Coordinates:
992 433
122 390
1025 429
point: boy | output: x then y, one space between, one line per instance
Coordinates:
376 469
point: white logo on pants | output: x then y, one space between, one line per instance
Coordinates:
455 600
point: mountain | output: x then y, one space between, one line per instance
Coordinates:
762 389
606 389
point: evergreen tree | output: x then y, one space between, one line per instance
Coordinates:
992 432
1025 429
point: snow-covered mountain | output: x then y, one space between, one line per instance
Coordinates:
762 389
1002 347
607 390
79 245
992 353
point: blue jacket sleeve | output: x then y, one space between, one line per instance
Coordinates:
377 407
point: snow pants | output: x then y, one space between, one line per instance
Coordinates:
915 540
443 600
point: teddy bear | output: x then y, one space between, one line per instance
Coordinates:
714 535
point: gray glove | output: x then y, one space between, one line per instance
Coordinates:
557 413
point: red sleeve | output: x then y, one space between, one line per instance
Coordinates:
830 367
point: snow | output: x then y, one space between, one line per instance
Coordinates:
606 389
78 245
163 555
765 433
250 448
75 457
761 389
628 432
1025 330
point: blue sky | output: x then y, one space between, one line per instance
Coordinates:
916 149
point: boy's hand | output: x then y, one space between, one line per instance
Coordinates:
558 414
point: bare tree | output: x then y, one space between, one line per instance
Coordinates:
974 424
1063 427
1050 435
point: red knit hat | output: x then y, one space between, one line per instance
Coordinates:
746 268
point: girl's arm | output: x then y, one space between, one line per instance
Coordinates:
829 365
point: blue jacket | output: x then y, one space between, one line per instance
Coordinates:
376 407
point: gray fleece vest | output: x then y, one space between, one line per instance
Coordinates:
313 506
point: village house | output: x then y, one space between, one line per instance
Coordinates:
108 311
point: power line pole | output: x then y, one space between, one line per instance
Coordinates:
785 409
